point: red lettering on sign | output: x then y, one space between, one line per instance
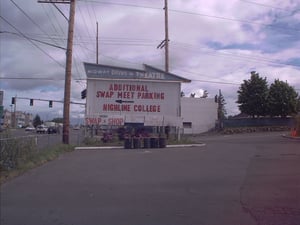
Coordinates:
146 108
116 121
104 94
92 121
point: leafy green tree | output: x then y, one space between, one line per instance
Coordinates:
298 104
37 120
282 99
58 120
252 95
221 106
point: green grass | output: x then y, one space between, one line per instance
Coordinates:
34 161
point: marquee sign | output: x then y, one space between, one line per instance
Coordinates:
99 71
116 96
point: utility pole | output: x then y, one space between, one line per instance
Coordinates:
97 44
68 75
15 113
166 38
68 71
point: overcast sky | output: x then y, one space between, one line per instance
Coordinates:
215 44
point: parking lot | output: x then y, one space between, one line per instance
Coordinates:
238 179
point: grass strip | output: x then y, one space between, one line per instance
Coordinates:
34 161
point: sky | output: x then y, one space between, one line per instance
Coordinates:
215 44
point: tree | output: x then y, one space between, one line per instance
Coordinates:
252 95
182 94
58 120
37 120
193 95
298 104
282 99
221 106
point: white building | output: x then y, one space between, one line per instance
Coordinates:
198 114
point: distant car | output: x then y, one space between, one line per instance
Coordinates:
52 130
29 128
41 129
76 128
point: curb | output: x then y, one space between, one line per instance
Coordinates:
121 147
290 137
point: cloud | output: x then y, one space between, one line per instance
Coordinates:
214 44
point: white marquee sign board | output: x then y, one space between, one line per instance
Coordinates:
118 101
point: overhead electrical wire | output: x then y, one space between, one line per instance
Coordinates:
32 42
84 21
111 42
32 20
222 53
194 13
120 4
235 20
265 5
117 41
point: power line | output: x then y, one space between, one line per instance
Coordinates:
232 55
32 42
234 20
207 81
61 12
52 45
36 24
194 13
265 5
215 82
30 78
121 4
84 21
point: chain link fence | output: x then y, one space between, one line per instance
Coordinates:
15 150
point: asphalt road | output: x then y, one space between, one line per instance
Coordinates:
233 180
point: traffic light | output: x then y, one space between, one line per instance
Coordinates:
50 104
83 94
13 100
31 102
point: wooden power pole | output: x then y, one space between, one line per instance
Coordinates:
166 38
68 71
68 74
97 45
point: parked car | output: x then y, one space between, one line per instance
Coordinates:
41 129
29 128
52 130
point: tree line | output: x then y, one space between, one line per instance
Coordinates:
256 98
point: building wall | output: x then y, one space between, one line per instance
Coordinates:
199 114
22 119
